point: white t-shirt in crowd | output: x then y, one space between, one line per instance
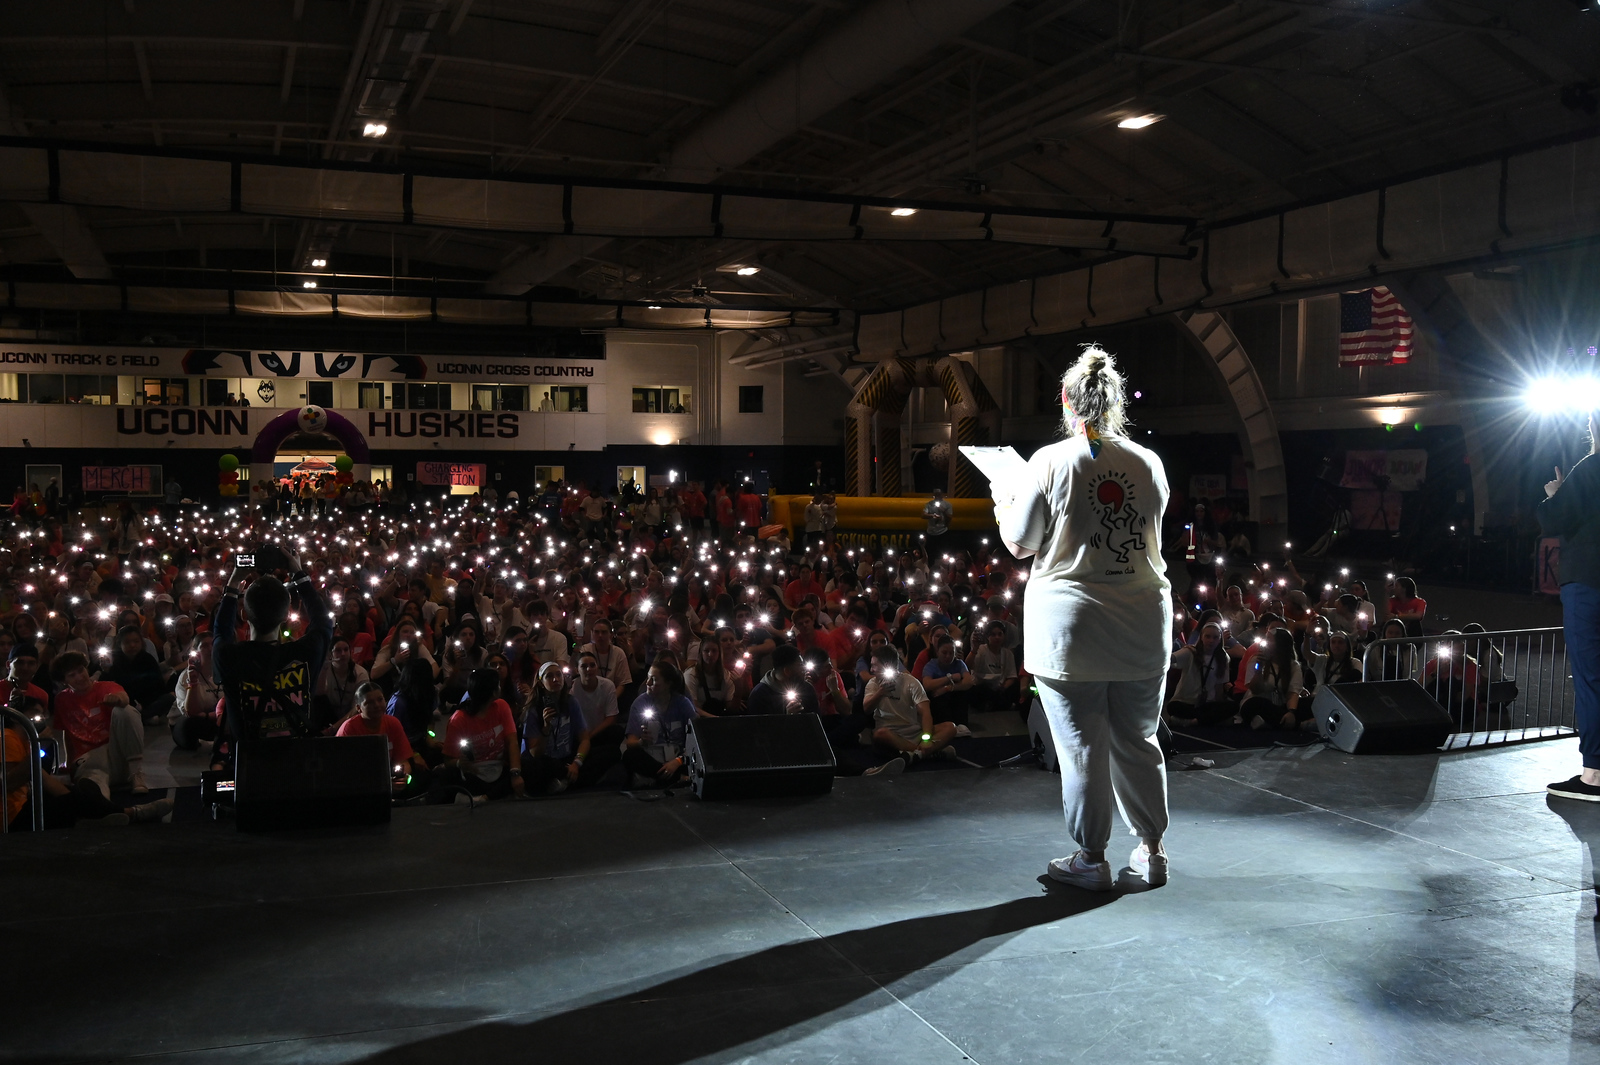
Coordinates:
596 705
1097 606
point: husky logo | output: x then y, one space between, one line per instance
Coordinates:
1115 500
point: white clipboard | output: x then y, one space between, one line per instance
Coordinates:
1002 465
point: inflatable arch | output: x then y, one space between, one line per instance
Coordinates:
313 420
880 403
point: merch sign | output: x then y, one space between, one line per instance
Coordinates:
135 480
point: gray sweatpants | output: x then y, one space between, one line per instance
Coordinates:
1105 733
119 758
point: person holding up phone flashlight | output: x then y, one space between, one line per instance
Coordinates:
902 716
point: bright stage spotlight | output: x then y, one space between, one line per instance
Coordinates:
1562 394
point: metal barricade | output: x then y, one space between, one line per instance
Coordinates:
1499 687
10 718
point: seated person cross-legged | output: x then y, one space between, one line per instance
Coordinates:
482 755
658 724
995 668
902 715
411 774
1272 691
949 684
1203 695
597 701
555 743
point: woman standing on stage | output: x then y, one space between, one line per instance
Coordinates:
1571 510
1096 619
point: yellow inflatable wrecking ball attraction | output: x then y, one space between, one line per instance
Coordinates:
883 521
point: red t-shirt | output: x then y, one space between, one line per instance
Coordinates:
389 727
1418 605
795 591
33 692
749 509
693 504
724 510
85 718
485 735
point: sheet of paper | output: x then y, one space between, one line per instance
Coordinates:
1002 465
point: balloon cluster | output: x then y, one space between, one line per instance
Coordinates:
228 475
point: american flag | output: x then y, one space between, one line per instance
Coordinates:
1374 330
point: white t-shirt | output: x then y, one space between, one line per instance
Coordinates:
1096 607
596 705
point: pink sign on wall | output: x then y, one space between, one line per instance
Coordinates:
465 474
134 479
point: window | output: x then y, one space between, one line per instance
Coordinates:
567 398
546 474
170 391
661 400
370 395
427 397
750 399
630 475
216 391
319 393
91 388
499 397
45 388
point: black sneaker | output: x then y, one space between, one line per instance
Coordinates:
1575 789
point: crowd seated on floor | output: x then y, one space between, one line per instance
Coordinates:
567 638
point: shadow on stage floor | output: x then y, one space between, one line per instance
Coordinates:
745 999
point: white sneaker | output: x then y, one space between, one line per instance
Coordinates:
1079 872
151 811
555 787
137 784
962 730
892 768
1152 868
464 799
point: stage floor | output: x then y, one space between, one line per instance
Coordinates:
1323 908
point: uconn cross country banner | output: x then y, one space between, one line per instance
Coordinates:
108 429
303 365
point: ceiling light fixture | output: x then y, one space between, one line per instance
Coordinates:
308 284
652 306
374 129
319 262
903 212
1139 121
747 271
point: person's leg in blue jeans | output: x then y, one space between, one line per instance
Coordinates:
1580 606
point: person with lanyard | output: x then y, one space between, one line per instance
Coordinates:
555 740
1097 619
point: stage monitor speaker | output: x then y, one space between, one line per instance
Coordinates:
758 756
316 782
1381 717
1039 735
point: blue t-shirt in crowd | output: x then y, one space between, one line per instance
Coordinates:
563 734
660 725
933 670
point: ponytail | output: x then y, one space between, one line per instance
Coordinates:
1092 389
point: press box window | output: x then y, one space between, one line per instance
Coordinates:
170 391
427 397
319 393
370 395
750 399
565 398
661 401
499 397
